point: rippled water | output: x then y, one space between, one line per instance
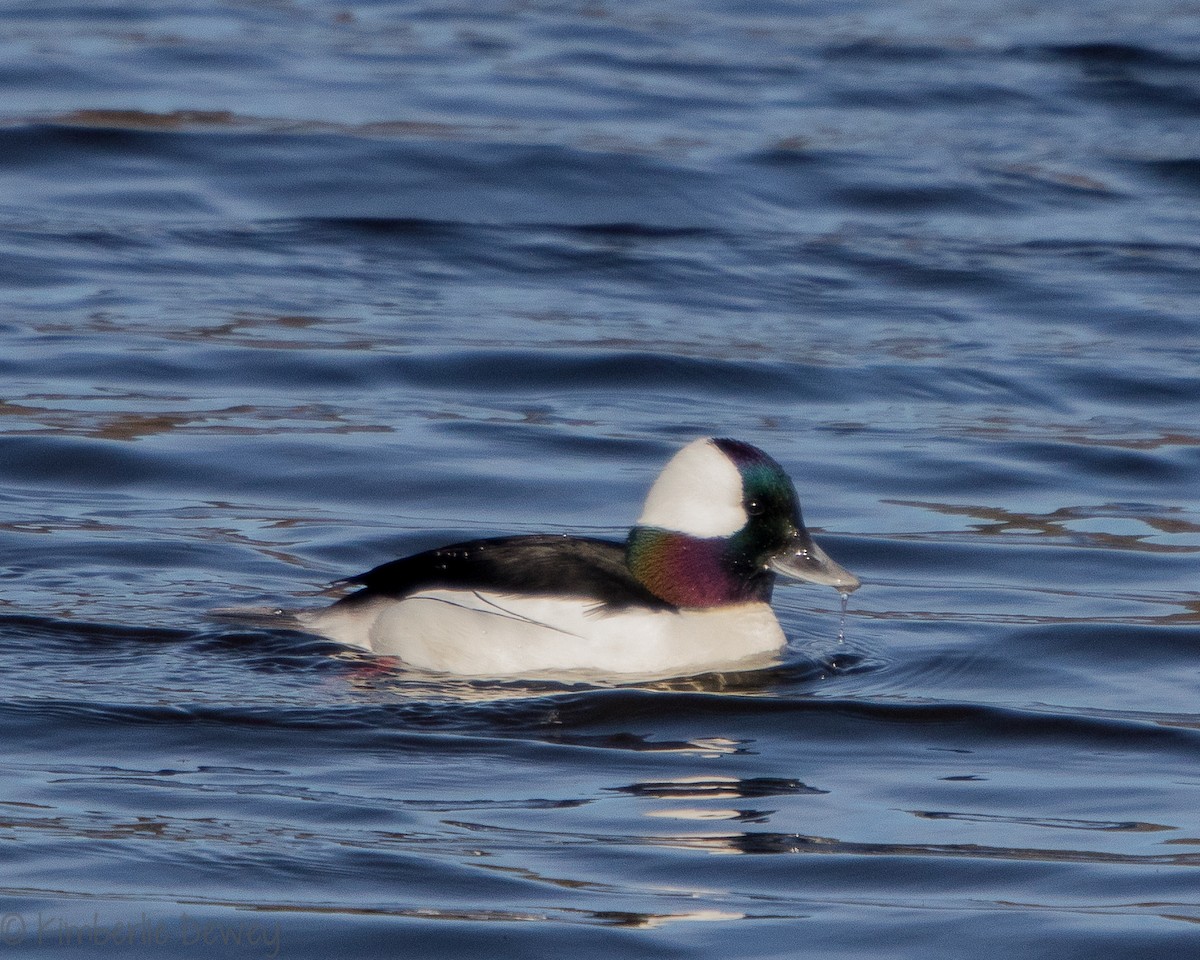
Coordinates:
292 289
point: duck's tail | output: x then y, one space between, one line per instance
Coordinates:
348 624
275 618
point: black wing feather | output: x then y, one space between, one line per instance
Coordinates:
539 565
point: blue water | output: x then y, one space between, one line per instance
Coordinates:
292 289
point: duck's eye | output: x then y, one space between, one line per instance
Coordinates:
754 507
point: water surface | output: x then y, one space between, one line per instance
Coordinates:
290 290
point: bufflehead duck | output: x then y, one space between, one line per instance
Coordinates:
688 592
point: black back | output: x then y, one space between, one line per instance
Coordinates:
538 565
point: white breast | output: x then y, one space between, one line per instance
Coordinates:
491 635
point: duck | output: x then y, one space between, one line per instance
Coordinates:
687 593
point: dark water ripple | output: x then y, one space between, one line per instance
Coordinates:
293 289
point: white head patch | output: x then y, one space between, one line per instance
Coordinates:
698 493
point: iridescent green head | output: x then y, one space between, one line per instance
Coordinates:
719 523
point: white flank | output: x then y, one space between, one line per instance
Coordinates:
698 493
478 634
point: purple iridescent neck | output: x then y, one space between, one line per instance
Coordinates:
692 571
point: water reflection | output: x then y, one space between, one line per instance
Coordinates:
94 417
176 120
1068 524
1055 823
706 787
787 843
